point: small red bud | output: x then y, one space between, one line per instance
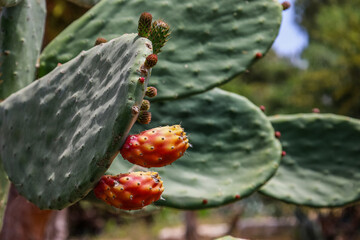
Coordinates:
286 5
283 153
277 134
205 201
258 55
151 61
100 40
262 108
237 196
141 79
59 64
316 110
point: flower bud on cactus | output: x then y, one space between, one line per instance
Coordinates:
151 92
156 147
286 5
145 105
100 41
151 61
144 25
159 35
144 117
130 191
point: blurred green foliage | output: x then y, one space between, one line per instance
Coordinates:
331 81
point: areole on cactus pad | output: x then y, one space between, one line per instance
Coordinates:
60 134
211 41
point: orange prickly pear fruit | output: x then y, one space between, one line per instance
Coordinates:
130 191
156 147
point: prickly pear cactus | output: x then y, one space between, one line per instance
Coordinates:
21 28
234 150
211 41
61 133
321 167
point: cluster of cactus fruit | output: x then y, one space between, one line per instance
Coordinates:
60 136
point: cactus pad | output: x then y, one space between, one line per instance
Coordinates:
21 28
60 134
211 42
321 167
234 150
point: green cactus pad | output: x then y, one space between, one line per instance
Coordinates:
211 42
321 167
59 134
234 150
21 28
85 3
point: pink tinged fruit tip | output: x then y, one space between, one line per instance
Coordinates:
283 153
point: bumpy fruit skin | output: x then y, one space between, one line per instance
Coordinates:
130 191
156 147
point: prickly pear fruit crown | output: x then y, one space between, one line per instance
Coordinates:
144 25
130 191
156 147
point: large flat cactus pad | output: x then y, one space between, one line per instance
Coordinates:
322 163
211 41
60 133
